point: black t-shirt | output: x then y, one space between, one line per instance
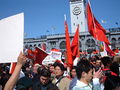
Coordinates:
39 86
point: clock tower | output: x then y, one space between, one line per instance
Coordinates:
78 16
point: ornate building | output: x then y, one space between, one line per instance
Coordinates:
87 42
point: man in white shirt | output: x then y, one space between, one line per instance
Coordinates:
85 73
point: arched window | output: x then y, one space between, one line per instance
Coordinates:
34 45
90 43
113 43
30 46
113 40
52 44
119 40
62 45
26 46
39 45
80 44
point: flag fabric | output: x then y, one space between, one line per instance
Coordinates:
30 54
75 44
39 55
43 46
12 67
68 48
95 29
54 49
109 51
116 50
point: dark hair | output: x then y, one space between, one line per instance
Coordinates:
106 60
59 65
112 83
115 67
96 57
44 72
83 66
74 67
24 83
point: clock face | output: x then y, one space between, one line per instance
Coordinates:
76 10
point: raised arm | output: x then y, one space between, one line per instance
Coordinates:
14 77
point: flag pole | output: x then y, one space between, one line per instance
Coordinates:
78 41
68 49
65 17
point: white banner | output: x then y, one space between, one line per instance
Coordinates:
11 38
52 57
56 55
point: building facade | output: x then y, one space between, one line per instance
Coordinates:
87 42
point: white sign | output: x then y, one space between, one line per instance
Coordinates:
48 60
56 55
52 57
11 38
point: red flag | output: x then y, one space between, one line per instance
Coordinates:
109 51
39 55
117 50
54 49
75 44
30 54
12 67
68 48
43 46
95 29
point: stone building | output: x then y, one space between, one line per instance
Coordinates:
87 42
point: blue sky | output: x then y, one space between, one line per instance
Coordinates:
48 15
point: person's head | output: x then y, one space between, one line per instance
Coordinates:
116 59
35 68
73 72
93 61
98 63
27 69
84 70
115 67
31 62
51 68
44 76
24 83
59 69
112 83
106 61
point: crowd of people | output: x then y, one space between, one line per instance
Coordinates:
93 73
